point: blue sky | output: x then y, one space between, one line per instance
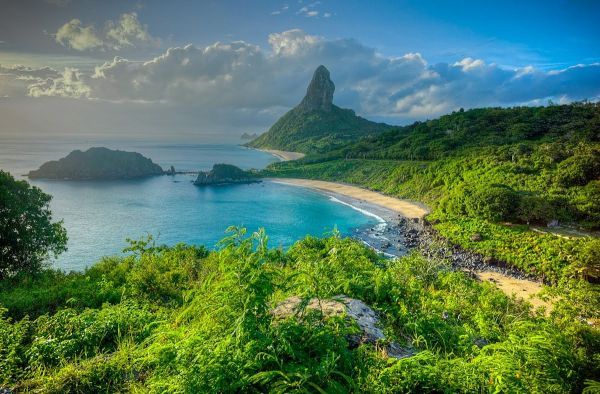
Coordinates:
237 65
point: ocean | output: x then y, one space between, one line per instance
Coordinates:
100 215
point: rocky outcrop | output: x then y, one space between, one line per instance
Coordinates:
98 164
355 310
319 94
222 174
316 124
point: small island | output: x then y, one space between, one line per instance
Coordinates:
98 164
247 136
222 174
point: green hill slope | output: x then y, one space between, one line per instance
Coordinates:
493 172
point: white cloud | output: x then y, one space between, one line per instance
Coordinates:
116 35
251 81
310 10
67 84
78 37
127 31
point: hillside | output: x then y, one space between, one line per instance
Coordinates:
97 164
184 319
316 124
498 173
482 127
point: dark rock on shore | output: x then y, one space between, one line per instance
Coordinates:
222 174
419 233
98 164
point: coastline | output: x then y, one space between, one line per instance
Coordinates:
282 154
401 228
404 208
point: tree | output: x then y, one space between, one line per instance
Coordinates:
27 234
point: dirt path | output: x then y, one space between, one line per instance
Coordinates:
521 288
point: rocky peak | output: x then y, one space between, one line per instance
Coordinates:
319 95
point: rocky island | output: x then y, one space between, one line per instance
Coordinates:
222 174
98 164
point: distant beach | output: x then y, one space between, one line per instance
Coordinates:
284 155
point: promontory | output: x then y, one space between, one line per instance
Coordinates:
98 164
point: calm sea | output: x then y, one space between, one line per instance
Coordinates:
99 216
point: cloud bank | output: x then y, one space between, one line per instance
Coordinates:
116 35
253 81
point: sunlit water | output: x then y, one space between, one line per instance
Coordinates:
100 215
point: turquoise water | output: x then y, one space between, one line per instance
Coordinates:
99 216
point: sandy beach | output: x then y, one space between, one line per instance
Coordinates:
404 208
284 155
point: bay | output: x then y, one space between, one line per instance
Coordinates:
100 215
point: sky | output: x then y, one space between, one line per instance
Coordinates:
189 69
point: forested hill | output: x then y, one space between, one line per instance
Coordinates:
316 125
483 127
489 173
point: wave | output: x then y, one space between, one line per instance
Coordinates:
363 211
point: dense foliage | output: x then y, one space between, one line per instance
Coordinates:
27 234
316 131
496 187
482 127
183 319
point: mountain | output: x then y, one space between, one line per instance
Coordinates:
98 163
316 125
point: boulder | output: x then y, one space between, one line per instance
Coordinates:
476 237
355 310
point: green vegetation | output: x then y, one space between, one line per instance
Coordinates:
317 130
182 319
479 179
27 234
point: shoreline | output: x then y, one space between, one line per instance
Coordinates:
404 208
397 234
283 155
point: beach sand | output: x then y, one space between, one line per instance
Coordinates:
284 155
405 208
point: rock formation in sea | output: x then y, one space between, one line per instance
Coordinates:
98 164
224 174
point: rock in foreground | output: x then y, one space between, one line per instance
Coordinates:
98 164
355 310
222 174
